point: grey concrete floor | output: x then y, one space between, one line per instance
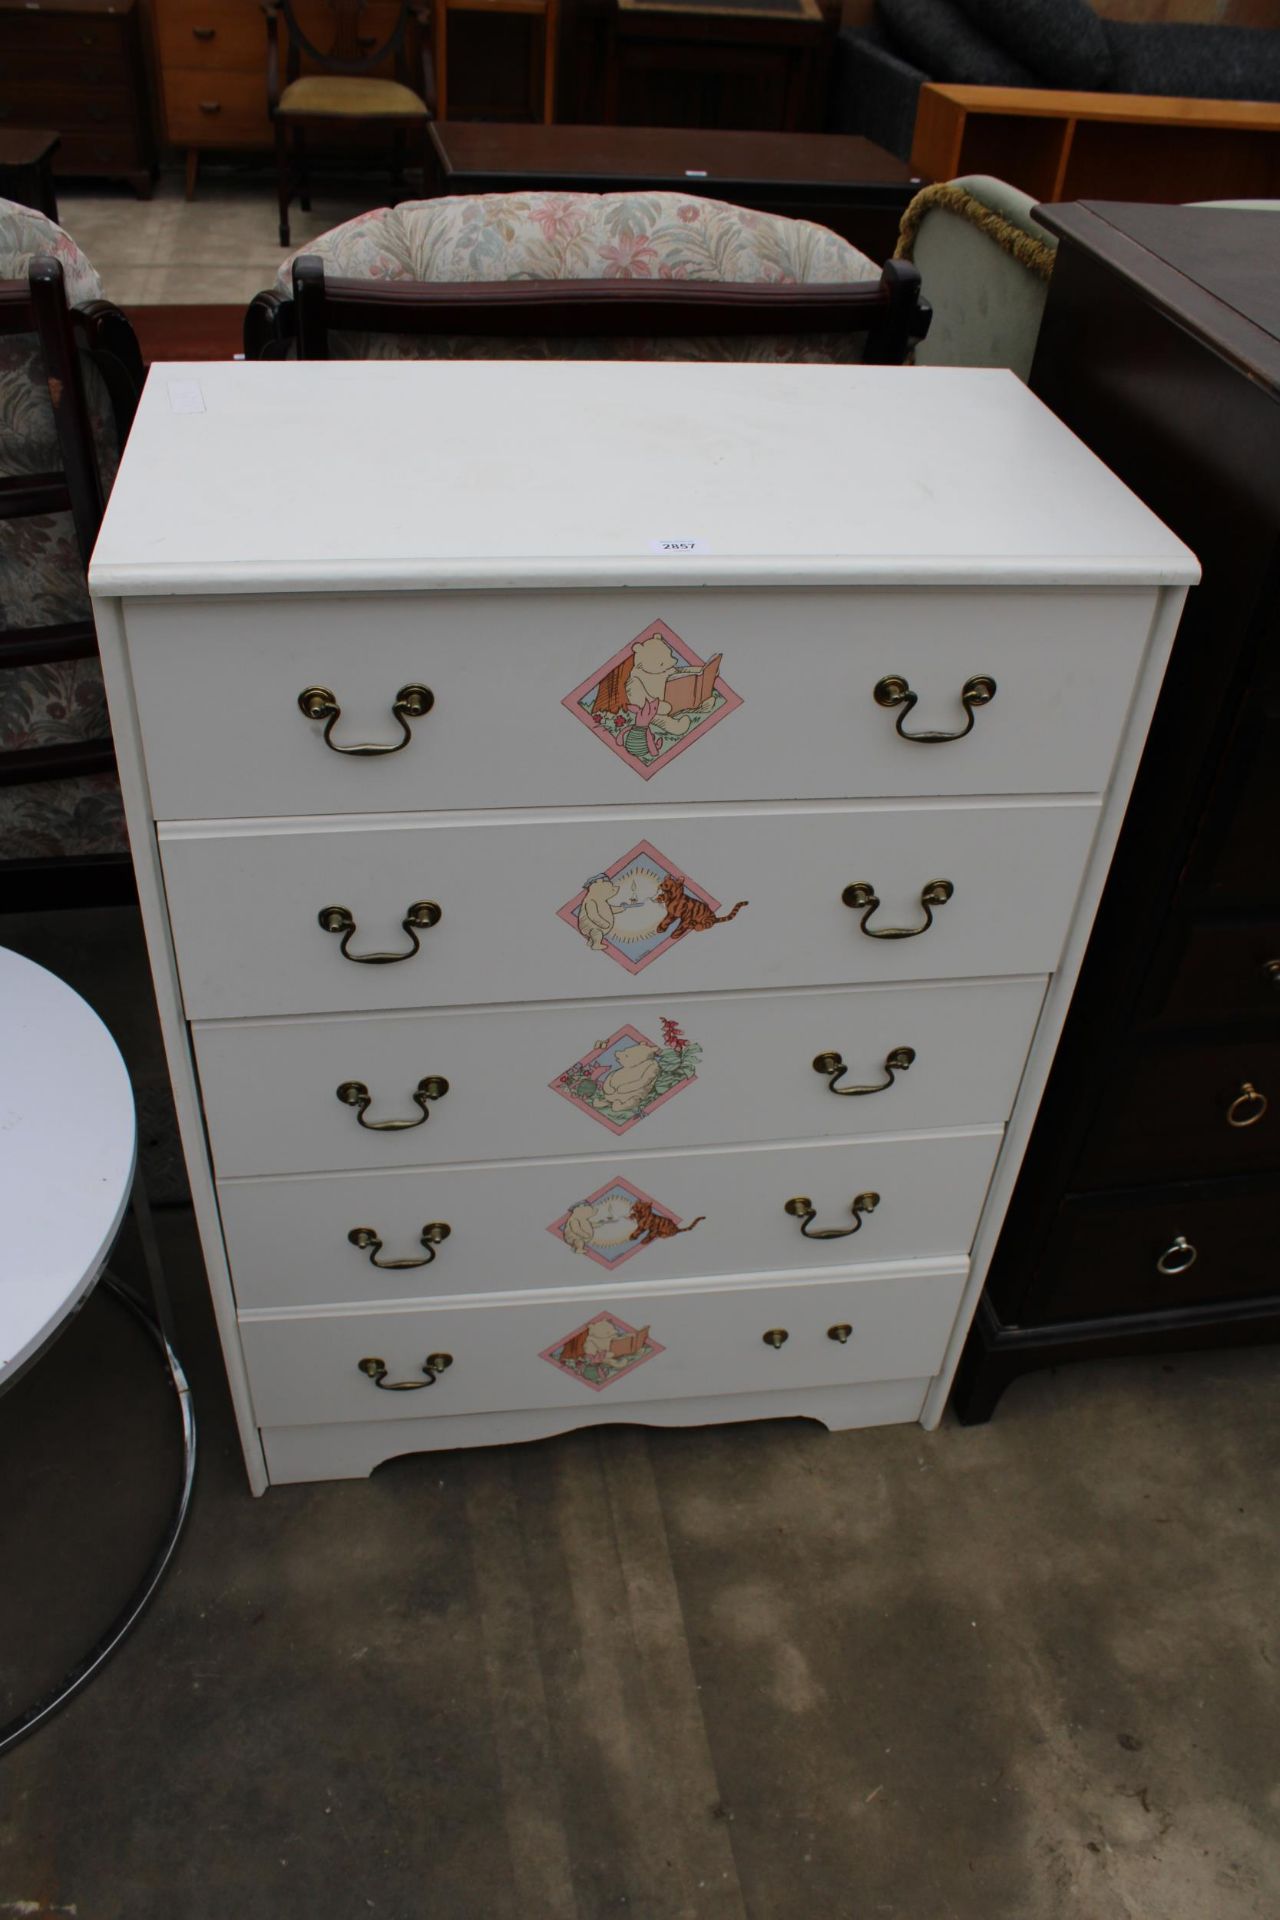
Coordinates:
1020 1672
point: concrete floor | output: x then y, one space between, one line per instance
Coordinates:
1021 1672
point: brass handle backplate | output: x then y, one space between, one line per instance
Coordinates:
434 1365
893 691
775 1337
354 1093
1178 1257
832 1064
863 895
366 1238
840 1333
805 1212
1248 1107
319 703
423 913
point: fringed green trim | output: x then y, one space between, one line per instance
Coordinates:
1025 248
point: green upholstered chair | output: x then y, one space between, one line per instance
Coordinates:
984 266
345 89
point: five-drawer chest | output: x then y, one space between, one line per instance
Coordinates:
616 842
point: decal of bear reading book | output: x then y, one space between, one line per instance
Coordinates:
653 699
601 1350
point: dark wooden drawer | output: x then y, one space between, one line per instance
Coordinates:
1237 859
108 150
1225 970
1103 1257
22 33
67 108
1164 1115
67 68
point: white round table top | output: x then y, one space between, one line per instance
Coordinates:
67 1141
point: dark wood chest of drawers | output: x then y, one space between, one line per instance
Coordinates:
1146 1216
76 67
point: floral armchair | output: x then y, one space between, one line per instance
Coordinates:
60 808
634 275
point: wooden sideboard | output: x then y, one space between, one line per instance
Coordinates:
1145 1216
1081 146
76 67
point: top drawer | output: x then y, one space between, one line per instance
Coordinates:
608 698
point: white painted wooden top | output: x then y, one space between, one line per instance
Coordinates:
523 474
67 1140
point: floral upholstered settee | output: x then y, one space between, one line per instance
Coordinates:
42 583
535 236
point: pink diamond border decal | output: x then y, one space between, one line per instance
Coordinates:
602 1350
653 699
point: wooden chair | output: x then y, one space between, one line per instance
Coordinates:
345 90
643 276
542 100
57 794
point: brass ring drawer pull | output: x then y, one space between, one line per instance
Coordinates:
366 1238
840 1333
423 913
832 1064
893 691
319 703
434 1365
776 1337
1177 1258
1271 972
862 895
354 1093
804 1211
1248 1107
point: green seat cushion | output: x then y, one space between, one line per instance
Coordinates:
343 95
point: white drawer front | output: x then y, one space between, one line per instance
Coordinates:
592 1223
771 695
679 1073
573 1349
569 909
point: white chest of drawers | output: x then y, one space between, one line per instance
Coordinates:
665 939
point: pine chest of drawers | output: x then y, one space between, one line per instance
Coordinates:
616 842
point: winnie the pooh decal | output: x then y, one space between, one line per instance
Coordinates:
623 1078
601 1350
653 699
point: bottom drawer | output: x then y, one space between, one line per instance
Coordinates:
1156 1251
565 1349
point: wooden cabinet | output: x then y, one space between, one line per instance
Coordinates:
1145 1218
76 68
590 994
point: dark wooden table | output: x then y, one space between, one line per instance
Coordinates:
26 168
839 180
1145 1214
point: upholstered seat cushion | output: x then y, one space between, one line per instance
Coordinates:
337 95
1197 62
1062 41
586 236
583 236
947 46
